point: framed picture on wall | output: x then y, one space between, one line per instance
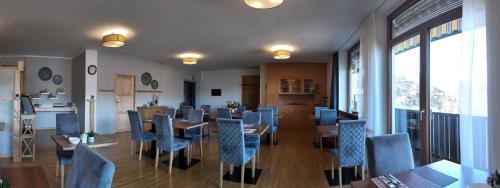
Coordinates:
216 92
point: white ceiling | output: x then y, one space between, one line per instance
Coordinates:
228 33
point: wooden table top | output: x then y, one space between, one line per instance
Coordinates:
180 124
25 177
100 141
260 129
333 130
463 174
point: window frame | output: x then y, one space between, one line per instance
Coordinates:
349 62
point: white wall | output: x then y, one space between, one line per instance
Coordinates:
227 80
493 40
170 79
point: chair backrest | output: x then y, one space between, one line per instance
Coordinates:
136 126
352 134
389 154
205 107
241 109
231 141
317 110
27 106
266 118
224 113
171 112
67 124
185 111
251 118
164 131
195 116
328 117
90 169
275 114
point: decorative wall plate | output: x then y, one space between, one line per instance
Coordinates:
154 84
45 74
57 79
146 78
92 69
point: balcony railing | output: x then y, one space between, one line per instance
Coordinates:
444 133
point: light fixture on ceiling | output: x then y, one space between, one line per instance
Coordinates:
263 4
113 40
190 58
282 51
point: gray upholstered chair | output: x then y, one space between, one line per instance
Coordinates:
195 135
185 111
328 117
206 116
165 140
351 151
137 132
224 113
253 141
389 154
276 124
66 124
171 111
232 148
317 110
90 169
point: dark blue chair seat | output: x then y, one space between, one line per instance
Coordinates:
193 138
90 169
252 142
148 136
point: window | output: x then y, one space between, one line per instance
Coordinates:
354 78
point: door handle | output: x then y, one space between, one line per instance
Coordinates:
422 112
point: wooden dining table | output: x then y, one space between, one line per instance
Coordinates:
25 177
441 174
182 125
100 141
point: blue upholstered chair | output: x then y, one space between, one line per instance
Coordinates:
351 148
206 115
252 118
90 169
328 117
381 151
317 110
138 134
232 148
66 124
195 135
165 140
171 111
224 113
241 109
185 111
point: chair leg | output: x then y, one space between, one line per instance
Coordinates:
170 163
201 149
62 176
333 168
131 148
140 151
258 156
231 169
253 167
221 171
340 177
355 171
362 172
242 175
157 156
57 168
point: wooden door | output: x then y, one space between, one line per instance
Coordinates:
250 91
10 107
125 100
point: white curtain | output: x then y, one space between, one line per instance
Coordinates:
473 87
373 100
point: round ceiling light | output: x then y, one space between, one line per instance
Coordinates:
190 58
113 40
281 54
263 4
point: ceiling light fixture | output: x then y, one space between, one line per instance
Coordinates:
113 40
190 58
263 4
282 51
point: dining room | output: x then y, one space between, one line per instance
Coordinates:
249 93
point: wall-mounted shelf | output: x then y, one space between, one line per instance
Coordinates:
61 93
106 90
148 91
47 93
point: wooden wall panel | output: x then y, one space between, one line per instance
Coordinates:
295 109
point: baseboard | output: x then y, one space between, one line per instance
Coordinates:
5 156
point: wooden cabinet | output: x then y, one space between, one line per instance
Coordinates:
297 86
148 112
296 117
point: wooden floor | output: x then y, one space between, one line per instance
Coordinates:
294 162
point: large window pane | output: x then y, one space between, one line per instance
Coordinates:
406 91
354 79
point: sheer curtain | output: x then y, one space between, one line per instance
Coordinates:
473 87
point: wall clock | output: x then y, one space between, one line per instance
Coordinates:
92 69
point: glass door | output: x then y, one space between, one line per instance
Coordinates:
406 87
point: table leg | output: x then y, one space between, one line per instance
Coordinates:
181 160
